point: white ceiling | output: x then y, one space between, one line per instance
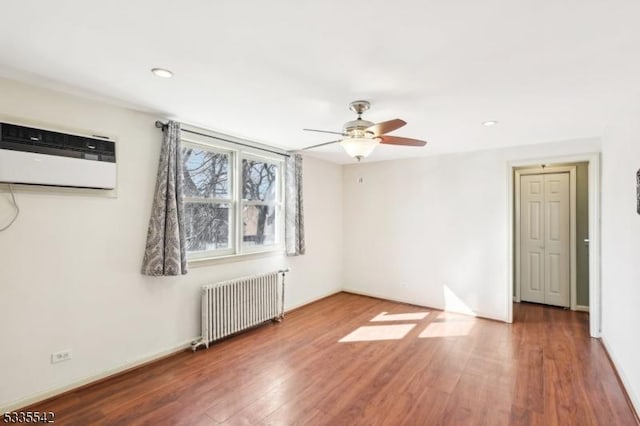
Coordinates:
545 69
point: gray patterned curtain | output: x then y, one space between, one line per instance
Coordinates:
294 213
165 253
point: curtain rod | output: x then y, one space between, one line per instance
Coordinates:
163 126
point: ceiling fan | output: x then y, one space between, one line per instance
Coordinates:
360 137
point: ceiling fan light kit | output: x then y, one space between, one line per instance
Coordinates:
359 148
362 136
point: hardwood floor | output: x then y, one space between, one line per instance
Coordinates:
443 369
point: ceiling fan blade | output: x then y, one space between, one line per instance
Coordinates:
395 140
324 131
386 126
321 144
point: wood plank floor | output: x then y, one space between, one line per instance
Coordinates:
441 369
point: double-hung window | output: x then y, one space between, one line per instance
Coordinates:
232 198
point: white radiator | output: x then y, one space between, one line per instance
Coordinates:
232 306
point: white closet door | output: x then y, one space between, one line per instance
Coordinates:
557 237
545 239
532 238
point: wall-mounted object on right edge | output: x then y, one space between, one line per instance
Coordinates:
638 191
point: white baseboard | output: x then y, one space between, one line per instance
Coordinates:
33 399
308 302
410 302
623 377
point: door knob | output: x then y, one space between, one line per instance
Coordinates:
586 242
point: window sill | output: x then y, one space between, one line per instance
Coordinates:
208 261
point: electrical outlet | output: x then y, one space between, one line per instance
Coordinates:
60 356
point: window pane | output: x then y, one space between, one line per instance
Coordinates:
206 226
259 180
259 225
206 173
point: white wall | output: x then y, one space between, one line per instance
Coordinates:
319 271
621 247
433 231
69 266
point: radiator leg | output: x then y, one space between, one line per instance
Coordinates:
197 343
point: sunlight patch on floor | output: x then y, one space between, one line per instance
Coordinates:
414 316
448 328
378 332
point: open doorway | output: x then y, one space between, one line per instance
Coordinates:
551 216
554 234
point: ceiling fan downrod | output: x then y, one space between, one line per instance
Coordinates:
359 107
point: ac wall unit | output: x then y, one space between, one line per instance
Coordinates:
42 157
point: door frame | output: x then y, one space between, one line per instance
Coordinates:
593 159
573 294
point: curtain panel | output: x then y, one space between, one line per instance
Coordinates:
165 252
294 212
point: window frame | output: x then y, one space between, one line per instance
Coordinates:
238 153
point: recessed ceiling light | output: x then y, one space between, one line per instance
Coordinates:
161 72
489 123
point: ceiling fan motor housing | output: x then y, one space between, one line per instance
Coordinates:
357 128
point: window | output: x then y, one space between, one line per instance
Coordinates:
232 199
